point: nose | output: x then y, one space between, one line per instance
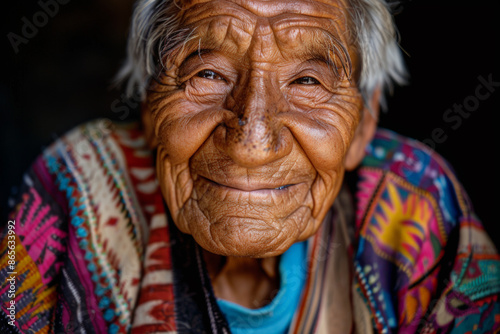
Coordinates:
255 136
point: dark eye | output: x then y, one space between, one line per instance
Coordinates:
208 74
306 81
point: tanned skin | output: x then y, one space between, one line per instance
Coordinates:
255 123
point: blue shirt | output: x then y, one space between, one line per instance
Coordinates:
276 316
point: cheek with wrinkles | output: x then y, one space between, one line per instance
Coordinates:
341 122
175 182
309 96
206 92
327 119
178 179
320 141
183 133
323 191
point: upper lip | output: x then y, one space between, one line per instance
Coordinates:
249 186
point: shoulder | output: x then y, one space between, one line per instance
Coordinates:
81 206
98 167
94 159
96 139
417 233
78 176
412 166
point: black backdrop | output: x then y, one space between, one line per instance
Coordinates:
60 76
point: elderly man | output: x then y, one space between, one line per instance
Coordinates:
229 208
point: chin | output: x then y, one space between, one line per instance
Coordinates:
240 236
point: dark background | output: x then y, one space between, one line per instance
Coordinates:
61 77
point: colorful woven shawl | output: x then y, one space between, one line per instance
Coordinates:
92 248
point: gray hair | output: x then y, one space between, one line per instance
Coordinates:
376 38
155 31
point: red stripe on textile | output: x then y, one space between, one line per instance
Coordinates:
157 292
158 235
150 329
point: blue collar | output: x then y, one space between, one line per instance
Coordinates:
276 316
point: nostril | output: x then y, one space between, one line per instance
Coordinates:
242 122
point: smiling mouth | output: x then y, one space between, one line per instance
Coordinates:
248 188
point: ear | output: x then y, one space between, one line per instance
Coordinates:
148 126
364 132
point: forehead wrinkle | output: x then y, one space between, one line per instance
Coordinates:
234 38
251 9
307 42
271 8
234 34
334 27
212 9
238 36
263 46
285 21
281 14
240 17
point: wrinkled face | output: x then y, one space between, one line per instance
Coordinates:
253 119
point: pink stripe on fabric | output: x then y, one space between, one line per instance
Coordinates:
37 201
33 225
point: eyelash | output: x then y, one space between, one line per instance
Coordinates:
300 81
212 74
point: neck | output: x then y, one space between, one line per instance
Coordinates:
249 282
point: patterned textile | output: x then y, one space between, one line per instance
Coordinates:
95 250
423 262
